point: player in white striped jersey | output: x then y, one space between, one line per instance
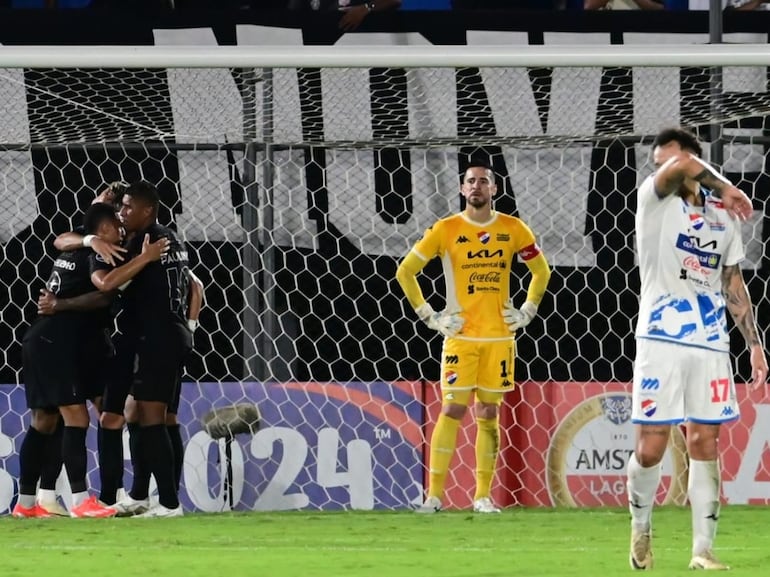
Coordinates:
689 244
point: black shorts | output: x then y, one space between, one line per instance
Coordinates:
96 360
51 365
120 375
160 359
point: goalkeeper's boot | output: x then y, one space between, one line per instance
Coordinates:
129 506
33 512
484 505
53 507
431 505
161 511
706 560
641 550
92 509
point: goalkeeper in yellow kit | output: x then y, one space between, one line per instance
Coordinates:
479 322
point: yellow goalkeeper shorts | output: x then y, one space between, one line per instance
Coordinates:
481 366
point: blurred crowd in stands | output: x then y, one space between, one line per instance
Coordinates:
360 8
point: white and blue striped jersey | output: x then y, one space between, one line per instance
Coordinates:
682 249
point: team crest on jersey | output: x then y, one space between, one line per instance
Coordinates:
697 221
54 283
451 377
483 236
649 407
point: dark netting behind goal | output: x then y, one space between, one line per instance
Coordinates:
300 189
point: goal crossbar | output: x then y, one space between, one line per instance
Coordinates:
374 56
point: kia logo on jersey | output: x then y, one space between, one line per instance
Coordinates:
483 237
696 221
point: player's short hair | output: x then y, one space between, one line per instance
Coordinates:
686 139
96 214
118 189
478 163
144 192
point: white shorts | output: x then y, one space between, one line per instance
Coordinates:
675 383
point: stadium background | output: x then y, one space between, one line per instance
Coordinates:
327 268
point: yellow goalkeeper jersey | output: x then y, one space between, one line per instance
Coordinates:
477 262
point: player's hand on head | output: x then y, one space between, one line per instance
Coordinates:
758 367
737 203
446 322
155 250
46 303
110 253
518 318
353 17
107 196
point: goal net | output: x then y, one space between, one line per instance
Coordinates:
300 182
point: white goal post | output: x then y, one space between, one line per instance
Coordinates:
300 176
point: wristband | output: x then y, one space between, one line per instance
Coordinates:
192 324
87 239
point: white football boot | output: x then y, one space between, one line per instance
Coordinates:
640 557
707 561
431 505
161 511
129 506
484 505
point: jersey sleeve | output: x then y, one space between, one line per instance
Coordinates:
97 263
431 244
526 245
646 198
734 253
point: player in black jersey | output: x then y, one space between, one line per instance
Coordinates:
118 377
119 382
155 306
64 357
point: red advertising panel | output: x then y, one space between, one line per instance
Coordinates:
568 444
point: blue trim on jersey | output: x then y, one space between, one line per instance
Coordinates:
690 419
714 421
680 343
666 422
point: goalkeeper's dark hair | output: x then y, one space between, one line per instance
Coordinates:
145 193
478 163
686 139
96 214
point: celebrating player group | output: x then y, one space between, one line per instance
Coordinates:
689 249
114 326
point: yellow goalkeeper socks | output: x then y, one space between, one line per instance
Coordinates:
442 448
487 447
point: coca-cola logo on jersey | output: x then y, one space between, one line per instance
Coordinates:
487 277
692 263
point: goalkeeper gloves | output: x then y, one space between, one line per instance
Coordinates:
448 323
518 318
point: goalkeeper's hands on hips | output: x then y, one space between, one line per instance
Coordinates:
518 318
446 322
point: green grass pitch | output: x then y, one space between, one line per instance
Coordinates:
526 542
